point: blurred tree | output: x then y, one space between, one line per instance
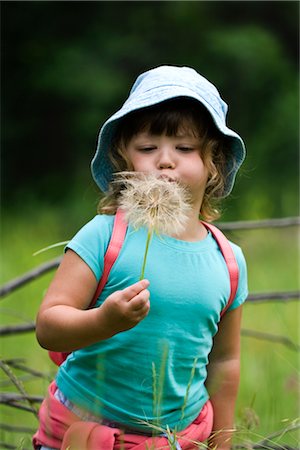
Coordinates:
66 66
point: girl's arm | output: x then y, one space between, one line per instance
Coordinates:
65 324
223 378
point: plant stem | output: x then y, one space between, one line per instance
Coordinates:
149 236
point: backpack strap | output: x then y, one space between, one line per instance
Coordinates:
112 252
230 260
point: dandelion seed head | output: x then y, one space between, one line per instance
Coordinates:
157 203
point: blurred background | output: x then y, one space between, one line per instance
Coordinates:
67 66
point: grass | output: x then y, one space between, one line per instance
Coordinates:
269 392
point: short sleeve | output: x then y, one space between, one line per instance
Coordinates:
242 290
91 242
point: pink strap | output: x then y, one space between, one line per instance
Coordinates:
112 252
230 260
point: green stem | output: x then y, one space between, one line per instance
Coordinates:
149 236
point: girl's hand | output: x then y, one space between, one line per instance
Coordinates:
64 322
124 309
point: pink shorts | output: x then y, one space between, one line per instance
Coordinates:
61 429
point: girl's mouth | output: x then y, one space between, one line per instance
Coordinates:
167 177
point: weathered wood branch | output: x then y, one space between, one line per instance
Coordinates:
268 443
278 339
256 224
29 276
20 401
7 370
268 440
12 397
19 363
273 296
16 429
17 329
250 446
4 445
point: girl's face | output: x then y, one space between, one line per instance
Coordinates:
175 157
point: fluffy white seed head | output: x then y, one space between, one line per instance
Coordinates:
157 203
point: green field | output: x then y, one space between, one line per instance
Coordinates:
269 391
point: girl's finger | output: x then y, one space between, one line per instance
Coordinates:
138 303
132 291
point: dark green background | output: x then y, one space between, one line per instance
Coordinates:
67 66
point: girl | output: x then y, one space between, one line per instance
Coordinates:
152 364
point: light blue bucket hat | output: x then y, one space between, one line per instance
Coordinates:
156 86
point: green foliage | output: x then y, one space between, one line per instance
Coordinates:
66 66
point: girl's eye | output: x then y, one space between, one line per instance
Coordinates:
146 149
185 149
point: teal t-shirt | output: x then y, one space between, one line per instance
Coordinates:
154 372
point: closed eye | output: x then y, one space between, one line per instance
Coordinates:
185 149
146 149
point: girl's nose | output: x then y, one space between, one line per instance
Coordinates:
166 161
166 165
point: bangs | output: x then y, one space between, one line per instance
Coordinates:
172 123
171 118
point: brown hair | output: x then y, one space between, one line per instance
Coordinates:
169 118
